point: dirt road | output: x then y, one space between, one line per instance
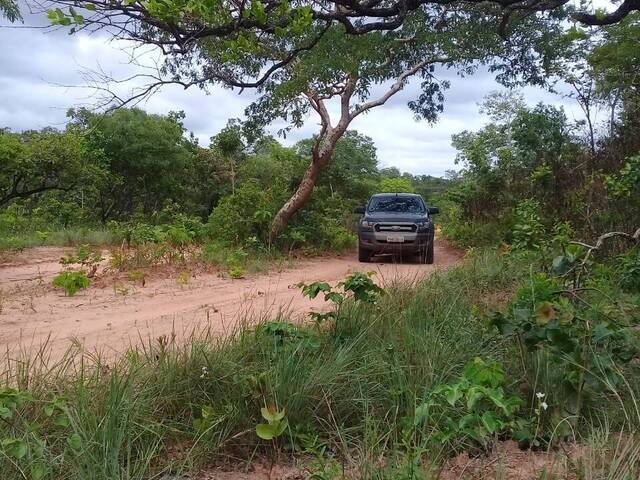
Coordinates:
111 314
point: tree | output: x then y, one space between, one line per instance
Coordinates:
353 170
323 77
33 162
179 27
396 185
148 158
230 147
10 10
615 62
303 57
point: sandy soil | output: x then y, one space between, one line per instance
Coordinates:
111 315
506 461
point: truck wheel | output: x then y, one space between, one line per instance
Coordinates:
429 257
426 255
363 255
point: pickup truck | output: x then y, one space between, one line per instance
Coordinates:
396 223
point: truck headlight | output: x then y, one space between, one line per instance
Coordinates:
367 225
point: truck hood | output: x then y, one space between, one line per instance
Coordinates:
391 217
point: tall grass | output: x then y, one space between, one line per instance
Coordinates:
66 237
350 386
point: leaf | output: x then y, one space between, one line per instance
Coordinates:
453 394
38 471
74 441
48 409
15 447
601 331
265 431
61 421
334 297
5 413
473 395
90 6
545 312
281 426
560 265
491 422
268 413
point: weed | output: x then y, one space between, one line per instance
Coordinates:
71 282
183 278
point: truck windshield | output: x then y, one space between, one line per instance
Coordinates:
397 204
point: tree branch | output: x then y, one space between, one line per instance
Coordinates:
396 87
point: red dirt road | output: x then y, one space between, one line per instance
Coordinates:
111 318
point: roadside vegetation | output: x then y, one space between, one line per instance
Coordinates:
210 205
390 385
532 338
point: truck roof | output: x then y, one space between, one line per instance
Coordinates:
396 194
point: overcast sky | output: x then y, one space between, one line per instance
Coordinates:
35 62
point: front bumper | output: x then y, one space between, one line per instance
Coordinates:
377 242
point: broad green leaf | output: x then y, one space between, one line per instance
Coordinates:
491 422
265 431
453 394
74 441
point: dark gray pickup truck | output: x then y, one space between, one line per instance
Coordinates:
396 223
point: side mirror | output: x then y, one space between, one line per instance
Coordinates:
433 210
359 210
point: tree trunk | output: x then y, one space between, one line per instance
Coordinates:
321 154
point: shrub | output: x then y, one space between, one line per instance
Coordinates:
71 282
528 231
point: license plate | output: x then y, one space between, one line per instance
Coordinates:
395 239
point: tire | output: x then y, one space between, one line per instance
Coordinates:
364 256
429 257
427 254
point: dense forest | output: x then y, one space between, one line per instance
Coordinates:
518 359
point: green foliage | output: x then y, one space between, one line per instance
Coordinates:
396 185
474 407
10 10
276 426
529 169
567 316
624 184
46 161
528 231
628 267
71 282
237 261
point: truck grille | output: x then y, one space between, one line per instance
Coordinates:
396 227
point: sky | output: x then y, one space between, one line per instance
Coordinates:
41 74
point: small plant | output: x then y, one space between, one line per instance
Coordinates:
474 407
26 446
71 282
358 286
183 278
137 276
237 261
120 288
276 423
236 272
85 257
528 232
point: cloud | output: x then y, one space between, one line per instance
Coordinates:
34 63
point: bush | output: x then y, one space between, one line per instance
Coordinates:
71 282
